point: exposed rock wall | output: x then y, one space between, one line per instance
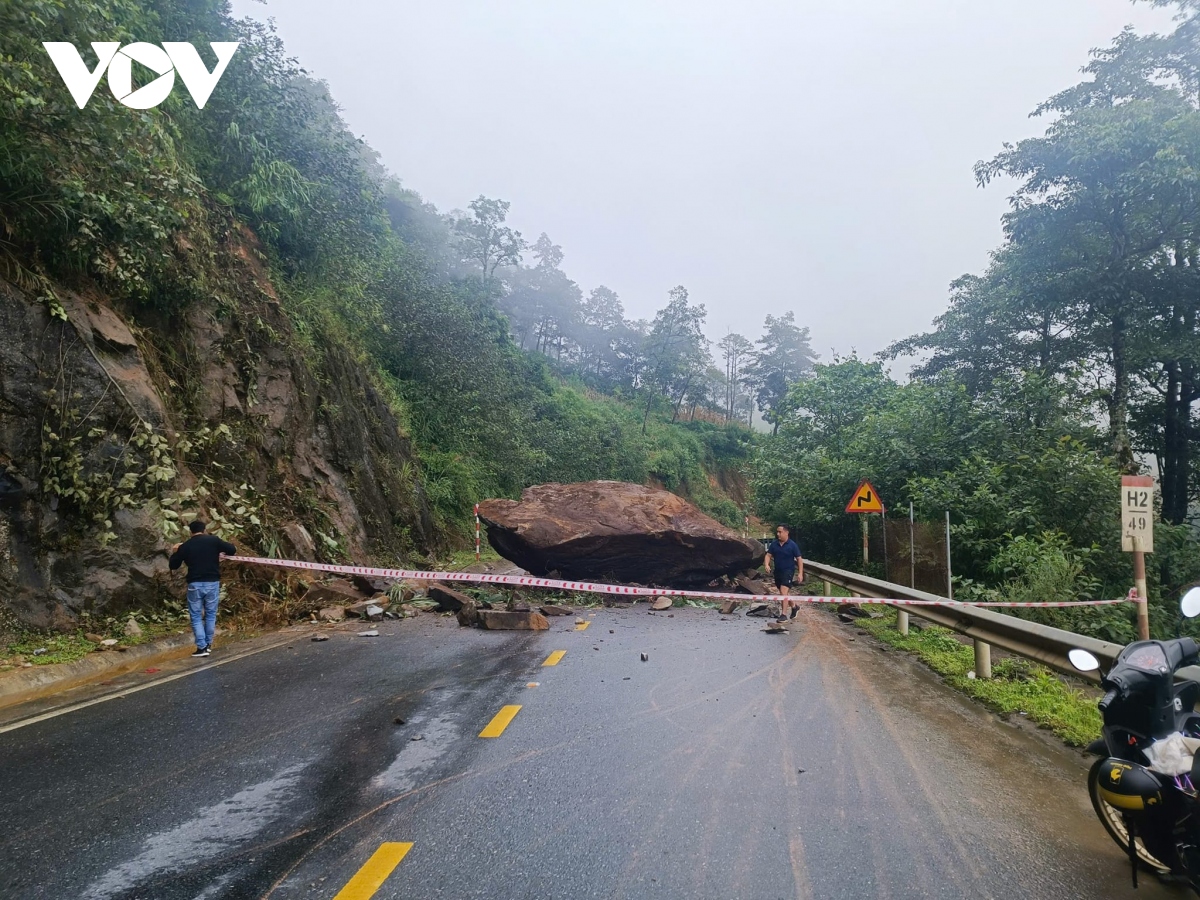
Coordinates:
109 417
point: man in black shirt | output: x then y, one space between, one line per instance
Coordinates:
202 553
788 564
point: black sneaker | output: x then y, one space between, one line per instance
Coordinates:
781 620
201 651
208 649
795 609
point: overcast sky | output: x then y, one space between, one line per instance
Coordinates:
770 155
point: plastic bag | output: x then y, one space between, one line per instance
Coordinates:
1173 754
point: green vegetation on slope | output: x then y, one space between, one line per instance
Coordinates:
144 205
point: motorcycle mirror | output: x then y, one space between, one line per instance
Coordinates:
1190 604
1084 661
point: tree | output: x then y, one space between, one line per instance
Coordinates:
602 320
676 350
999 324
484 238
735 350
785 356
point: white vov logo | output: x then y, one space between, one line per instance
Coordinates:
171 57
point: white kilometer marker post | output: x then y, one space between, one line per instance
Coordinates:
1137 537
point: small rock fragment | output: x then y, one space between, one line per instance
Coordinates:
661 603
332 614
132 628
40 651
468 614
374 632
645 656
553 609
398 720
320 637
109 642
94 638
417 737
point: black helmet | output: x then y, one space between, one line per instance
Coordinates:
1128 786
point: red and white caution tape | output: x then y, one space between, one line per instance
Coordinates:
589 587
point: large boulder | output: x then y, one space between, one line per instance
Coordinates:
600 530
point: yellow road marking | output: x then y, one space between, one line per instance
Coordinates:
582 626
499 722
555 658
374 872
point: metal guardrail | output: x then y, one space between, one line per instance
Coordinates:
1042 643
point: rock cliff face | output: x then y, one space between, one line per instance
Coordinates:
117 425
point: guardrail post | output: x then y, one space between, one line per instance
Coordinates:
828 589
902 621
983 659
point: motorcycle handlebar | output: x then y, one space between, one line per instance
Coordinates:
1191 652
1108 699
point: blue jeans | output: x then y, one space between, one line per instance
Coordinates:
202 597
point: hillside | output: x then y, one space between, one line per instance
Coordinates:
232 313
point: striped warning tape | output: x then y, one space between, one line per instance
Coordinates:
589 587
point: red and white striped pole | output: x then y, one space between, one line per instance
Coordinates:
476 532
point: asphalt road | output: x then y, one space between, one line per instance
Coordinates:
730 764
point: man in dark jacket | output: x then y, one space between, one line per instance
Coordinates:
202 553
788 565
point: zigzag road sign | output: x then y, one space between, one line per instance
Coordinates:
865 500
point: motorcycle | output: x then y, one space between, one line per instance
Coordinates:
1144 787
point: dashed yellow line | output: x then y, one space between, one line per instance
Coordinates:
555 658
499 722
582 626
374 872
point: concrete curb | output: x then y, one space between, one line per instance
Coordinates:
40 681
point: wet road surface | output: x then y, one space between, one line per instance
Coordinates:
730 764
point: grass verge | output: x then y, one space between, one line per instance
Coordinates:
43 649
1017 686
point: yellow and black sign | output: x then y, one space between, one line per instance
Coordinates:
865 500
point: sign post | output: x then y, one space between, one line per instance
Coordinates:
476 532
1137 537
865 500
